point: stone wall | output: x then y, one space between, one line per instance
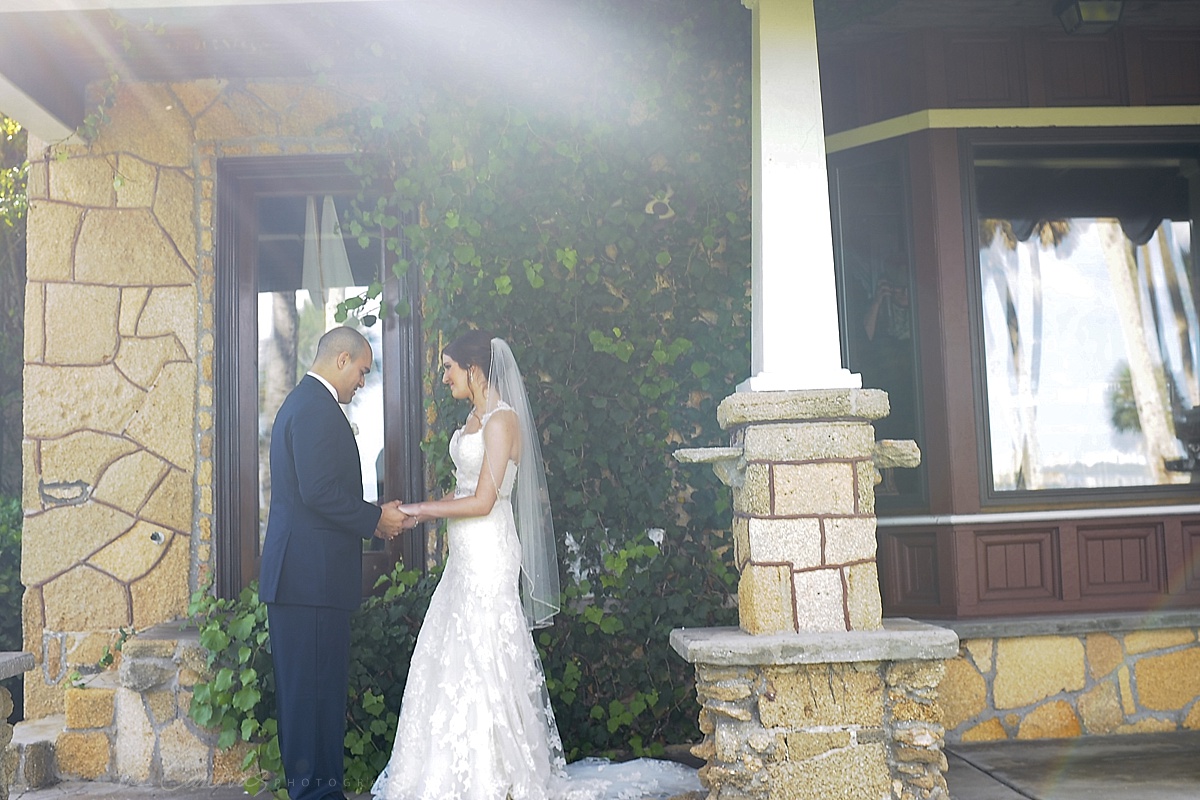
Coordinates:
1073 684
822 731
119 349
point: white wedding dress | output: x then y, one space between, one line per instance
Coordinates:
476 721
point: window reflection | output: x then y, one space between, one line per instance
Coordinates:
1089 324
304 272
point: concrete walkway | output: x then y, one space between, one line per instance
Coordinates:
1155 766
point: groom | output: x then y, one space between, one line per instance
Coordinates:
311 571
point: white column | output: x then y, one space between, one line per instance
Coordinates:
795 342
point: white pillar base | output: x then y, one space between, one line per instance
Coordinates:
788 382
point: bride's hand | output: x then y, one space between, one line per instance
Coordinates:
413 510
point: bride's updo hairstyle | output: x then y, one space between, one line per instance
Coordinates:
472 349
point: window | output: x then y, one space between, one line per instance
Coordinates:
1088 315
869 195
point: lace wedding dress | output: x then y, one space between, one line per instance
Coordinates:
476 721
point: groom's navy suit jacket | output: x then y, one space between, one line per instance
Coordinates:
312 554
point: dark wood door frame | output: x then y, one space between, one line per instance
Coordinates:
240 181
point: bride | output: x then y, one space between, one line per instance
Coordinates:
476 721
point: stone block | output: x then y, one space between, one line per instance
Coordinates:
236 115
126 247
822 695
987 731
134 553
89 708
175 210
139 647
146 121
1168 682
227 765
863 601
804 489
143 359
51 229
963 693
34 347
1100 709
37 180
865 476
185 759
741 542
162 593
140 674
31 499
43 697
820 600
754 495
1147 725
851 773
1033 668
742 408
1137 642
128 481
156 424
790 541
807 744
808 441
765 603
1104 654
849 539
136 187
1192 721
85 599
82 181
133 299
82 755
32 622
134 748
909 675
1053 720
198 95
908 710
80 324
171 503
81 457
98 399
171 311
1125 684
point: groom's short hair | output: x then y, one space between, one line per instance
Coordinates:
341 340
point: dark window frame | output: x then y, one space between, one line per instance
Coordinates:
897 152
970 143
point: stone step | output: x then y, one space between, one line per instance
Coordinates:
29 757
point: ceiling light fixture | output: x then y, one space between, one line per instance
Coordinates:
1089 16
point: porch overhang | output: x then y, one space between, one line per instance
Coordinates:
51 50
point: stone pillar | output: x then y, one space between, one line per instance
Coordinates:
814 695
804 514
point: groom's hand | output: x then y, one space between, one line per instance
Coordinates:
391 521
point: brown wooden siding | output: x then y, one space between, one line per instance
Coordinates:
908 72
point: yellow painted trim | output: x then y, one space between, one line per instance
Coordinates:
956 118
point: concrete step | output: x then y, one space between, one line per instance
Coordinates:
29 757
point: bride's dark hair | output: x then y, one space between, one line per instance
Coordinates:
472 349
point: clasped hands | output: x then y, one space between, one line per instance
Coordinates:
394 519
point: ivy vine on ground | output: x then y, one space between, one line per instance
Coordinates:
596 214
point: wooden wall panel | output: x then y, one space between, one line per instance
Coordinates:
1124 559
1079 71
1191 556
1017 565
985 70
1170 67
